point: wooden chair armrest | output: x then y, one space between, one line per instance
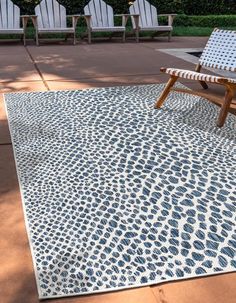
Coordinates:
71 16
136 19
88 20
163 69
75 19
170 18
125 18
34 19
25 19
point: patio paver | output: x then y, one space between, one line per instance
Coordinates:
12 59
98 61
82 66
212 289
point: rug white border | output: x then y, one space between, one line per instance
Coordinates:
28 229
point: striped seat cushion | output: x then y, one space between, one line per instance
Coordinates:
187 74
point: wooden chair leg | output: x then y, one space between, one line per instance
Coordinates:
74 38
89 36
203 83
166 91
137 35
225 107
123 37
37 38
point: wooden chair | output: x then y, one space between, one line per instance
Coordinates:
219 53
50 18
100 18
10 19
148 19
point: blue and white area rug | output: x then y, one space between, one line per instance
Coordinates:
118 194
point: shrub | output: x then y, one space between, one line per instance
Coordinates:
188 7
206 21
210 7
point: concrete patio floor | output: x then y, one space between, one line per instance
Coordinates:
54 66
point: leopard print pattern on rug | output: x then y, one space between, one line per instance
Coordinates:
118 194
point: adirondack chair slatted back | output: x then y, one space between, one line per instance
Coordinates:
9 15
147 13
51 14
102 14
220 51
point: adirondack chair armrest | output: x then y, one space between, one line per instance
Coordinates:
170 18
88 20
34 19
25 19
126 16
75 19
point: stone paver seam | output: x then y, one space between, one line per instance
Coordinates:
37 68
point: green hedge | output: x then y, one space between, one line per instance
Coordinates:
206 21
208 7
188 7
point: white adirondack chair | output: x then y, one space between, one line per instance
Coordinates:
10 19
148 19
50 17
100 18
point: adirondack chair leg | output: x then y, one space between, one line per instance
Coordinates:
37 38
24 39
225 107
166 91
24 21
123 37
75 20
137 35
124 22
89 36
169 36
136 28
74 38
88 23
